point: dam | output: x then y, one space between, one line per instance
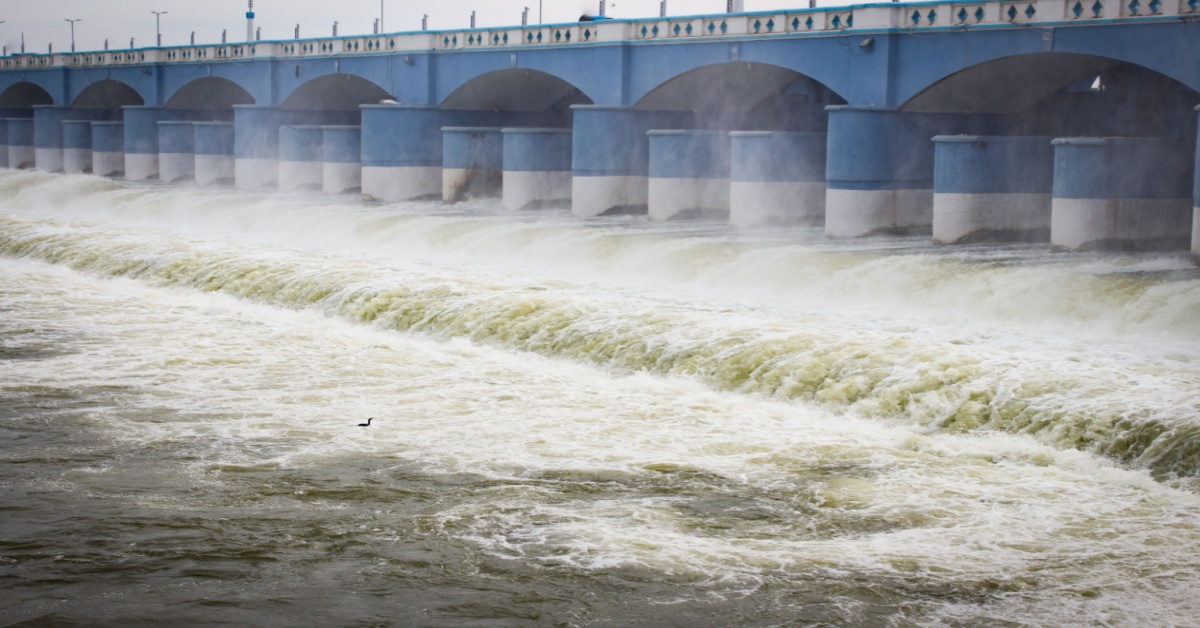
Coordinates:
1059 121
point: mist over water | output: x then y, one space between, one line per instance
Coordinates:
578 421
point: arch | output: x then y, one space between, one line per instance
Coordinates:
1058 92
107 94
24 96
734 87
516 89
209 93
335 92
745 95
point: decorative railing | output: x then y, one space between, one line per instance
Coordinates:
868 17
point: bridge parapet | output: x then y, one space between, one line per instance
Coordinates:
755 25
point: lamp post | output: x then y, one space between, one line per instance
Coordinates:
157 23
381 16
72 31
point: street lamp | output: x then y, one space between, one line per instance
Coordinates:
157 22
381 16
72 31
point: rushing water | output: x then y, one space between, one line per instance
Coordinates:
578 422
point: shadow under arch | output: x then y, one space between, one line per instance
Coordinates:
745 95
518 89
24 96
335 92
1065 93
209 93
107 94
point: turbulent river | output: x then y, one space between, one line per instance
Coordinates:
578 422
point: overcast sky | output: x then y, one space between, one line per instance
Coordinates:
43 21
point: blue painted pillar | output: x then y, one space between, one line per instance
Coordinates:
879 173
20 143
1196 202
141 141
777 177
256 140
300 158
48 132
402 149
472 162
214 152
108 149
688 174
341 153
1122 193
3 142
610 161
176 150
992 189
77 146
537 168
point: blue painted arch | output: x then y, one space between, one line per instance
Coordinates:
209 93
107 94
24 95
516 89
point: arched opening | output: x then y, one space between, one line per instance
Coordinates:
1065 94
521 90
24 96
209 93
745 96
107 94
335 92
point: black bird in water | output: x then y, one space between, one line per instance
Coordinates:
368 423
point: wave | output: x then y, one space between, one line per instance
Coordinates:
1140 407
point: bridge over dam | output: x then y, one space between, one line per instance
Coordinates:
1064 121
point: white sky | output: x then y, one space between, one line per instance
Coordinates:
42 21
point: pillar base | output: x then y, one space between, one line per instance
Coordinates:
108 164
300 176
857 213
596 196
214 170
1009 217
460 184
139 167
48 159
255 174
1120 224
533 190
3 153
176 166
1196 234
688 198
756 203
21 157
339 177
77 160
401 183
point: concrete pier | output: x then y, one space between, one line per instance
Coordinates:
341 159
77 146
992 189
300 158
610 163
880 170
689 174
402 149
108 149
777 177
48 132
472 163
537 168
176 151
3 142
1122 193
141 142
256 146
1196 203
214 153
20 143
